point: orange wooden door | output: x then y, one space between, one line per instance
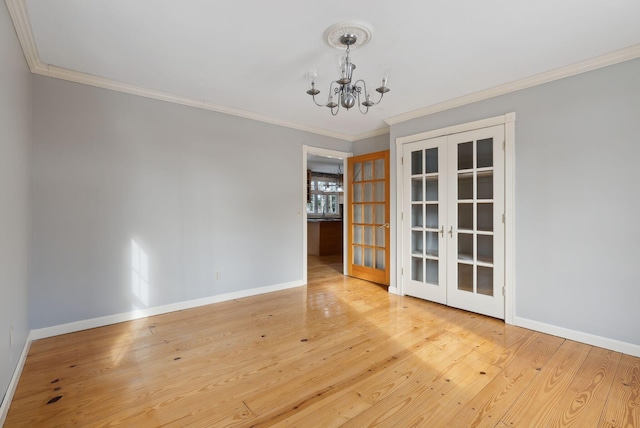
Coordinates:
368 223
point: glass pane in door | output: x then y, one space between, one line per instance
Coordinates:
417 242
485 217
465 277
465 156
417 269
432 271
357 255
416 162
368 213
368 192
485 153
465 217
368 235
379 191
431 244
368 171
417 217
357 172
432 160
357 234
357 193
432 189
368 257
465 186
416 189
380 261
485 248
432 216
380 238
379 169
485 185
485 281
381 218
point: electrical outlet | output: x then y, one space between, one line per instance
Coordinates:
217 274
11 337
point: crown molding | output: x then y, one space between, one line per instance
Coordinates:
20 18
101 82
370 134
626 54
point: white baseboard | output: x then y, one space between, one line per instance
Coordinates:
4 408
72 327
578 336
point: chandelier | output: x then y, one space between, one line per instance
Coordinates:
345 91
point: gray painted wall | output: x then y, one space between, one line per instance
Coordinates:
371 145
577 229
15 140
199 193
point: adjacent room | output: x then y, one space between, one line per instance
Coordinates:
210 216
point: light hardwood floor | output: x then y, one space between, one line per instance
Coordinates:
339 352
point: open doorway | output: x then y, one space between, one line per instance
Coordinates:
325 211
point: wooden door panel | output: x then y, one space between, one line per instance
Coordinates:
368 253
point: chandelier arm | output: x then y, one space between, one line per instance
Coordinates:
317 103
364 85
336 109
360 108
365 95
379 100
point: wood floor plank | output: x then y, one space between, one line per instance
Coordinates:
622 409
338 352
520 366
586 396
538 402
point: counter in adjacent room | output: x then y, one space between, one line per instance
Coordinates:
324 237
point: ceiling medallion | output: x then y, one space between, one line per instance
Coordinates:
333 34
345 89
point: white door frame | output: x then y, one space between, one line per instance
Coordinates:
310 150
508 120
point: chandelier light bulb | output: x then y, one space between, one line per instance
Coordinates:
384 73
312 76
341 65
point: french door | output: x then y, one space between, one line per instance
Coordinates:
368 226
453 229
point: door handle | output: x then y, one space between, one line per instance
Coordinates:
442 231
384 225
451 231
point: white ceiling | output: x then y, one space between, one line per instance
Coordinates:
251 56
324 164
